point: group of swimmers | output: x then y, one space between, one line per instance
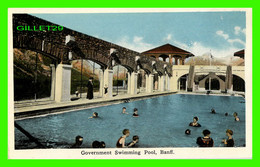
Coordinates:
95 144
206 140
135 113
121 141
213 111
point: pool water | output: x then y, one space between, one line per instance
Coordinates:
162 122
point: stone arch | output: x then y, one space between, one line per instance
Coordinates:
80 78
213 76
182 82
238 83
215 84
120 78
164 57
181 73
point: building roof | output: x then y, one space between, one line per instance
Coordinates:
168 49
240 53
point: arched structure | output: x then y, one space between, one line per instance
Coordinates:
238 84
66 45
197 76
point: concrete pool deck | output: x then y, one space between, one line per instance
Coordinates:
31 108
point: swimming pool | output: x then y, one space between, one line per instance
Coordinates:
162 122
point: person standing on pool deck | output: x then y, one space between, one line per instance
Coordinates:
205 141
105 90
230 141
236 117
90 88
121 141
135 114
195 122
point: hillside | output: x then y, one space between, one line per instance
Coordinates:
208 59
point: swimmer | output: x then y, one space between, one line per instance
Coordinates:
230 141
135 140
226 114
187 131
195 122
102 144
124 110
96 144
78 142
236 117
95 115
213 111
121 141
135 114
205 141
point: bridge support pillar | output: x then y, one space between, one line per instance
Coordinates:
108 81
128 83
133 90
101 83
159 83
146 82
149 85
167 84
174 82
162 83
53 80
229 79
63 83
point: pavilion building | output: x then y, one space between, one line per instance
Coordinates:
169 53
240 53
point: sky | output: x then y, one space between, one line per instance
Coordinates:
220 33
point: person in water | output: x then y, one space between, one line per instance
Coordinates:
195 122
213 111
94 115
96 144
187 131
135 140
236 117
78 142
121 141
226 114
124 110
135 114
230 141
102 144
205 141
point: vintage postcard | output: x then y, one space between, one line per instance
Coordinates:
128 83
